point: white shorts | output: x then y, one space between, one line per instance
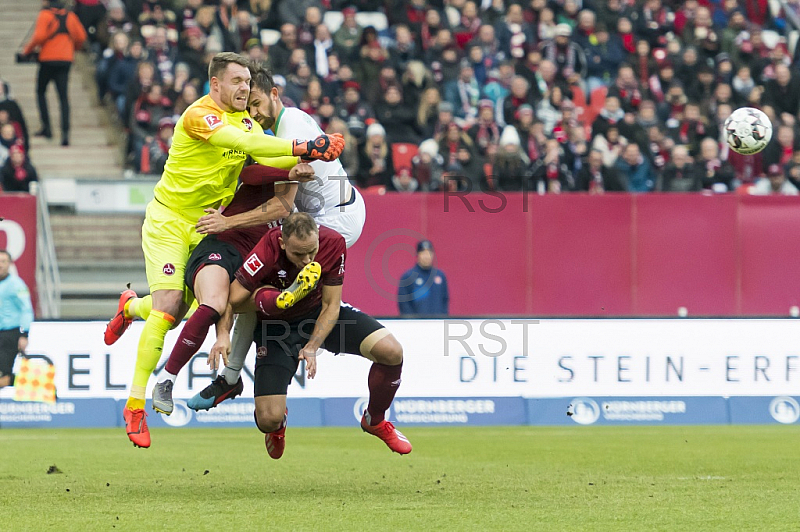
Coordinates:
347 220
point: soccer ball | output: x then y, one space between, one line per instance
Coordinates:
748 130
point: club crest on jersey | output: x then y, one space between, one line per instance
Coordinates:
215 256
213 121
248 124
253 264
168 269
261 352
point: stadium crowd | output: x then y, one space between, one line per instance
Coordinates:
547 95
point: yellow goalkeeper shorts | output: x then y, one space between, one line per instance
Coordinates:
167 241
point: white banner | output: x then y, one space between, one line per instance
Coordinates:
487 358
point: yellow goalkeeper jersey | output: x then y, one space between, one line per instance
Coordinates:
197 174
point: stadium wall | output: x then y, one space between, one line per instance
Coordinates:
18 235
579 255
468 372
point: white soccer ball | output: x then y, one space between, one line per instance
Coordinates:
748 130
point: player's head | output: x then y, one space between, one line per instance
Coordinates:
265 101
5 263
299 238
229 81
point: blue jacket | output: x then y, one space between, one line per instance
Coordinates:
636 178
423 292
16 311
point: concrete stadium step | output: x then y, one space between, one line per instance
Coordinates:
93 293
98 241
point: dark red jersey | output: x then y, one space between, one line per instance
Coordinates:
258 187
267 264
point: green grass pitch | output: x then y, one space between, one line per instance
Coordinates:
471 479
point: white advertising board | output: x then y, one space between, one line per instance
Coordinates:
488 358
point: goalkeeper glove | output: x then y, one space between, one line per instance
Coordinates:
324 147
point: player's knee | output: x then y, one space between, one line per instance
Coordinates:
388 351
268 419
5 380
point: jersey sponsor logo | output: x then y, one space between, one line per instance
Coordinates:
341 266
213 121
253 264
282 273
261 352
248 124
169 269
215 256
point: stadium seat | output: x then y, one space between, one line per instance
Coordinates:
375 190
598 97
402 153
578 96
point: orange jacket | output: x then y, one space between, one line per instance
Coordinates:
56 46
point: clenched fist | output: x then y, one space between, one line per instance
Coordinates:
324 147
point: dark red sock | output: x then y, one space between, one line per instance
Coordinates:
194 332
265 301
383 384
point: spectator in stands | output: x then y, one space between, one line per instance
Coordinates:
403 49
653 22
775 183
780 149
453 140
17 172
354 112
423 290
717 174
783 92
145 78
56 52
513 33
154 152
115 21
213 36
691 130
510 169
8 139
428 112
110 57
416 80
122 74
403 181
552 173
347 38
520 95
627 89
464 93
399 120
567 56
595 177
375 165
162 53
349 157
635 171
604 55
373 57
680 175
148 110
485 131
548 110
610 145
427 166
91 14
14 111
611 114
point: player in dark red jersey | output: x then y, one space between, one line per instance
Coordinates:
265 196
314 320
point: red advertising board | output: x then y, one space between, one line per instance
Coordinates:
18 235
580 255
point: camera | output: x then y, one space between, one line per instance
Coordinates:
29 58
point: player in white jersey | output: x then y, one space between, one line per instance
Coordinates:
330 199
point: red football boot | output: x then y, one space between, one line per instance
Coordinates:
119 323
384 430
136 426
276 441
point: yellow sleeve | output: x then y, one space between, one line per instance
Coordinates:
284 163
200 122
255 145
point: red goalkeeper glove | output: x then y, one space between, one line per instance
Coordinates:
324 147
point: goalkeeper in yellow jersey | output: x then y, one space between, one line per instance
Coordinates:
212 139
